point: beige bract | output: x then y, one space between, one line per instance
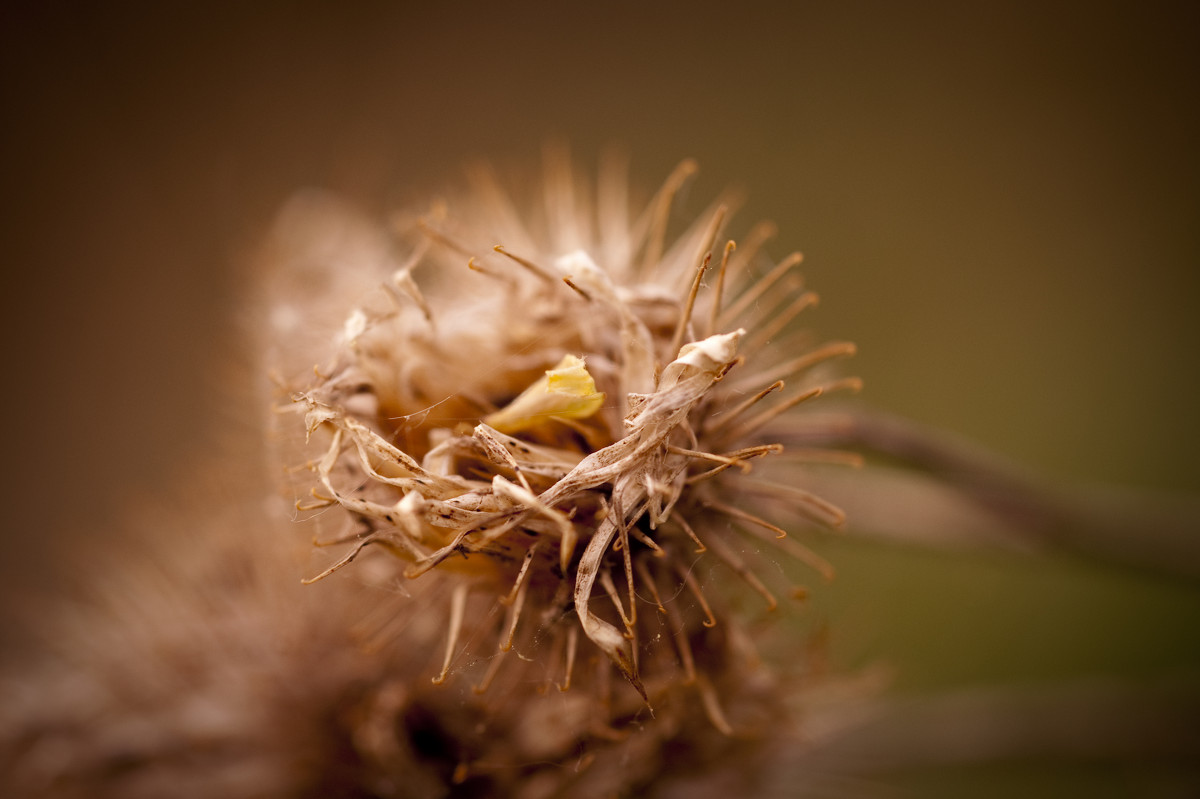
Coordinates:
547 418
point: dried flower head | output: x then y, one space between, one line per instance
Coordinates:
548 418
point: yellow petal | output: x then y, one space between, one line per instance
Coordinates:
566 392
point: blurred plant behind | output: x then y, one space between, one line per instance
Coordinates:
997 205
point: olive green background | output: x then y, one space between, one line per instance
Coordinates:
997 201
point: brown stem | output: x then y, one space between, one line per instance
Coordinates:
1118 525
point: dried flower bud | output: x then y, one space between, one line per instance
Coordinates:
548 418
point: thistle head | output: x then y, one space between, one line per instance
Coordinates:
545 419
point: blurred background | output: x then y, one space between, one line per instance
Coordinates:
997 202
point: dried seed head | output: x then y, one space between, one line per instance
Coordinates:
547 418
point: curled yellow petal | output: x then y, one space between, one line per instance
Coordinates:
566 392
